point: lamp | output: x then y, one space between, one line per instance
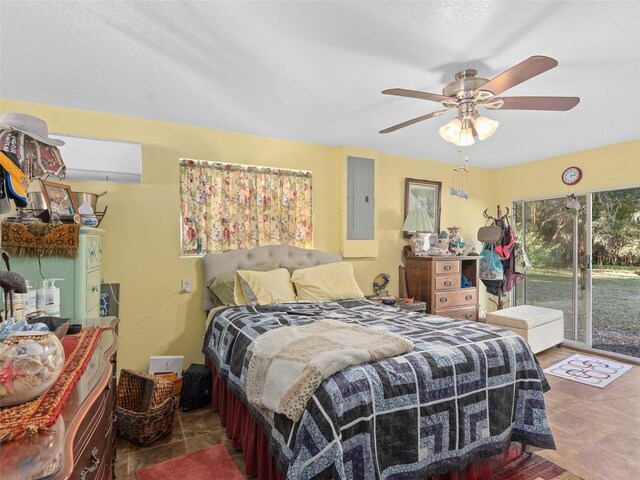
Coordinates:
417 222
460 131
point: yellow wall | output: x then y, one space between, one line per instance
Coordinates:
141 243
609 167
142 225
605 168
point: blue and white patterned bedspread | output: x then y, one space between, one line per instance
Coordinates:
464 392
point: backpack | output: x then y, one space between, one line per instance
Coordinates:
504 247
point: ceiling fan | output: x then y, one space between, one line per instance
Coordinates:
468 92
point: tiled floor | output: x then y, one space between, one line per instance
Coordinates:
191 431
597 431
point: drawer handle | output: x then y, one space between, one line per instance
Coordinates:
95 461
443 299
447 283
468 297
468 316
446 268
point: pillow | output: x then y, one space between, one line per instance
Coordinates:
298 267
324 283
263 288
221 287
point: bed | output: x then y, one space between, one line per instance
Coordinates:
466 400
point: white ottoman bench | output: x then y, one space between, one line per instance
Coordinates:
541 327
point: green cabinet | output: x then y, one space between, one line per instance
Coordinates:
82 276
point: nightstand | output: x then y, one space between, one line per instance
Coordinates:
415 306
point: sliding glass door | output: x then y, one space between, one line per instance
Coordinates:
585 262
554 239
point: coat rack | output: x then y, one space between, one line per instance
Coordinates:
499 220
499 216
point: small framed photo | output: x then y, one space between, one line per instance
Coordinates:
423 194
58 198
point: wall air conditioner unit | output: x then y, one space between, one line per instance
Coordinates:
100 159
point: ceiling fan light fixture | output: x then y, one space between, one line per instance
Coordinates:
451 131
465 137
485 127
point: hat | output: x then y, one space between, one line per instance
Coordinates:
29 125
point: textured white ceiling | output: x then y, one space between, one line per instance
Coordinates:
313 71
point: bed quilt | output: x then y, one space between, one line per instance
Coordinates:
465 391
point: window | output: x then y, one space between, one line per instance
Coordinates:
225 206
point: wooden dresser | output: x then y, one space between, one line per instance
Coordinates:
437 281
81 443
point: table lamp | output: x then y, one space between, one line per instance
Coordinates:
417 222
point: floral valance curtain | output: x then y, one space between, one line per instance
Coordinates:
225 206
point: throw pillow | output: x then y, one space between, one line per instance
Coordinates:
325 283
263 288
221 287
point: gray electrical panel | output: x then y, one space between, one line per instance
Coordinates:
360 198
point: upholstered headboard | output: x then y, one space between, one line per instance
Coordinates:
215 263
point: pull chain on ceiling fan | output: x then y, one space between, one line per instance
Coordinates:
468 92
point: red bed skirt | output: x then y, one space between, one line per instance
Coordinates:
249 437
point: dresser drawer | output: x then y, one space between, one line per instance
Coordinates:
463 313
93 446
94 252
93 290
446 267
91 428
447 282
454 298
94 462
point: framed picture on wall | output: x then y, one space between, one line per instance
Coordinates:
58 198
423 194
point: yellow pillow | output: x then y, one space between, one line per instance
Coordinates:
263 288
325 283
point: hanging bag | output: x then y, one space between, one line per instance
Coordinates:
490 234
511 277
505 246
490 264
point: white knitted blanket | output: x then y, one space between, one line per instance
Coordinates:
289 363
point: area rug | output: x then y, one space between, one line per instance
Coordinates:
212 463
598 372
533 467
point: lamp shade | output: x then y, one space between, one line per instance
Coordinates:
451 131
417 221
485 127
465 138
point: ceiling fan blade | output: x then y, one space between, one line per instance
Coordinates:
414 120
402 92
560 104
525 70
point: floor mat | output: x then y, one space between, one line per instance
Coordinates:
213 463
598 372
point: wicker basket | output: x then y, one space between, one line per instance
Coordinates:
144 407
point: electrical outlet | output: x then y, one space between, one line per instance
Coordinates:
186 285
